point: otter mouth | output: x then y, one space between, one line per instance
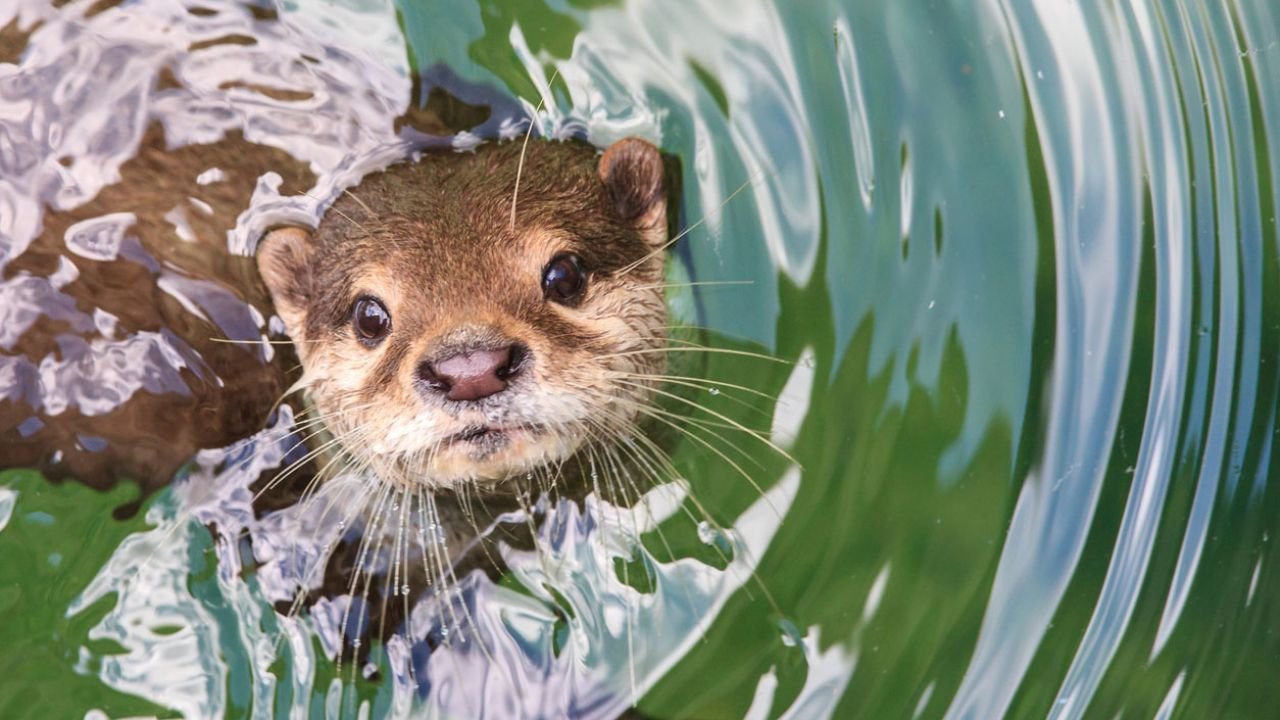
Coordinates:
483 451
486 438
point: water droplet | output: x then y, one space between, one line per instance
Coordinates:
1000 113
405 589
356 643
932 303
714 391
706 533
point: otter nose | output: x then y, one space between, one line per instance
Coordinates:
473 374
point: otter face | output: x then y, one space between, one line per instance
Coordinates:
443 344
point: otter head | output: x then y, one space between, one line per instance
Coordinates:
443 343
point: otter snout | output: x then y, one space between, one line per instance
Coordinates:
475 373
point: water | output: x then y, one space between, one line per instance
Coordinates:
1022 257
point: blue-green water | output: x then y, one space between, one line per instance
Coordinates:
1021 257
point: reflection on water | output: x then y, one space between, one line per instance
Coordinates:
1023 257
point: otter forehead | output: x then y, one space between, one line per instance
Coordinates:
459 202
441 235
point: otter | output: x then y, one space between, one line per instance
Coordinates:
455 346
476 323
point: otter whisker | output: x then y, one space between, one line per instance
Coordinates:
361 493
261 341
435 575
612 452
614 478
698 383
629 436
527 509
393 571
450 588
648 447
645 462
725 351
515 192
366 565
733 423
403 568
299 463
334 208
696 283
360 202
662 248
722 456
180 521
714 388
362 552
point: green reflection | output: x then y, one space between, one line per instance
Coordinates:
40 655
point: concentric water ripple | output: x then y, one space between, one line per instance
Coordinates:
1023 257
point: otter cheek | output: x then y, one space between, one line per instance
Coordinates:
406 436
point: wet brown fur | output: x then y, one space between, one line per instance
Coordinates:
229 391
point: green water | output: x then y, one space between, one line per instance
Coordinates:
1023 263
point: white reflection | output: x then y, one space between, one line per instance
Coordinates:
1080 120
8 499
855 108
793 402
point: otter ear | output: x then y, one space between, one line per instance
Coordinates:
632 171
284 261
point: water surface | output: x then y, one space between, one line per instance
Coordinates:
1022 261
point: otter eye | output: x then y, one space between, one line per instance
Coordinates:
370 319
564 279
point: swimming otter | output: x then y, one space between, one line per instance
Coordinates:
447 339
452 348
